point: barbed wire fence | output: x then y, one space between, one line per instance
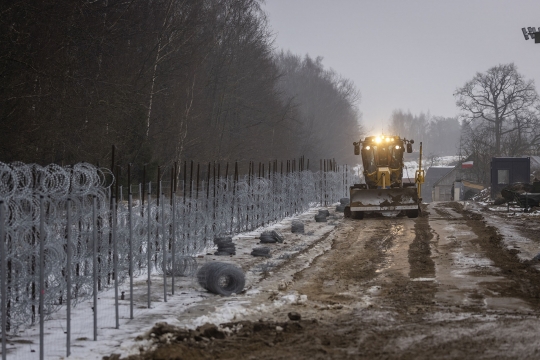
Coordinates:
67 234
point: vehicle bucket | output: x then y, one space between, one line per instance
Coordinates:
384 199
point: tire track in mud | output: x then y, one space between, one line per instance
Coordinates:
353 261
525 278
414 294
422 265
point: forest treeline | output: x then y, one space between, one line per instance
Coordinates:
165 81
439 135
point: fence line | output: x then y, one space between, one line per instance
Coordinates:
65 236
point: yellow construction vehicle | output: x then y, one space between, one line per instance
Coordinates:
384 189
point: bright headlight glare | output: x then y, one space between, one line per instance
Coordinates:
377 139
397 147
368 147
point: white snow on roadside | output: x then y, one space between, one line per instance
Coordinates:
410 167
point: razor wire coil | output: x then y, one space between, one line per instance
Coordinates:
220 208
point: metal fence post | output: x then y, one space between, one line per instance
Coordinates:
41 277
3 276
115 264
68 279
94 261
130 204
173 236
149 242
164 245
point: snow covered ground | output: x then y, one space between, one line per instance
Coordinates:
411 166
190 306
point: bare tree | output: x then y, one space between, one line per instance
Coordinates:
500 97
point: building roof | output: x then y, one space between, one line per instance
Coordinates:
449 173
433 174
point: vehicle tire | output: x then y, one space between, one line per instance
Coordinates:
347 211
357 215
412 213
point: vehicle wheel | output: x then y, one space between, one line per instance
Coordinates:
358 215
412 213
347 211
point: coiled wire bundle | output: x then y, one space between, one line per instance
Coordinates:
183 265
221 278
297 227
261 251
343 202
165 237
225 246
321 216
271 236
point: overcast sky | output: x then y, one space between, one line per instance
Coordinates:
408 54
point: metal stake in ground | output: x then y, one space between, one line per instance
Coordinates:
164 245
173 237
3 275
94 262
68 278
149 242
173 224
115 265
130 205
41 277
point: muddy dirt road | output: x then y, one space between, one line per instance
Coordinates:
443 285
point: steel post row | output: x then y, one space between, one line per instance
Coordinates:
89 219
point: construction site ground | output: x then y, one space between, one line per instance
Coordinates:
460 281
